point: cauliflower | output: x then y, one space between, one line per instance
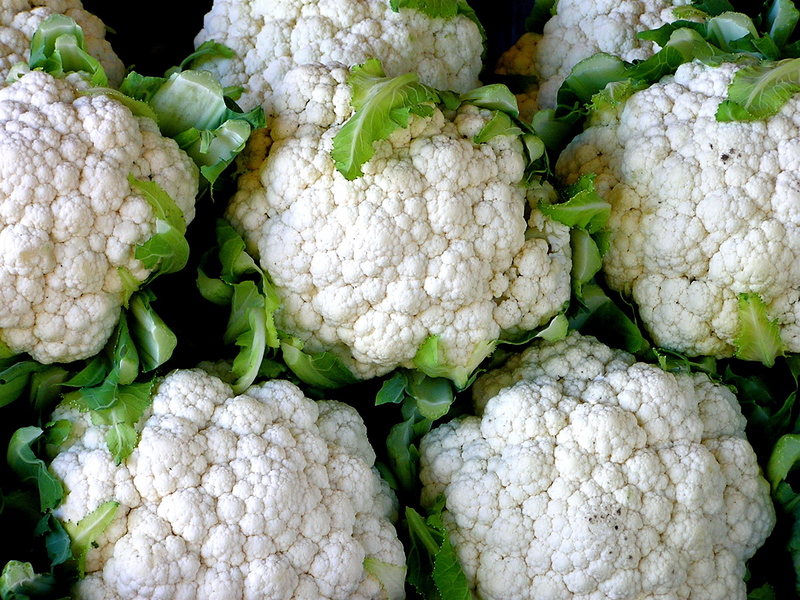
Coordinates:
590 476
702 211
578 30
271 38
265 494
19 19
69 217
435 239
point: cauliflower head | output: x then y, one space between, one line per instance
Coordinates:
265 494
270 38
19 19
590 476
702 211
435 239
578 30
69 218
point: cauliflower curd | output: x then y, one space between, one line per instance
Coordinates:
69 218
702 210
436 238
262 495
271 38
589 476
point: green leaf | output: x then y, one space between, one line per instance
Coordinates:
14 379
729 27
584 208
392 390
124 355
119 407
448 574
758 91
252 301
154 340
167 250
96 370
382 105
710 7
684 45
599 315
85 532
759 337
433 566
780 21
784 458
320 369
252 343
213 150
19 581
588 77
56 539
427 359
58 47
46 386
495 96
541 11
30 469
586 260
189 99
207 50
499 124
401 445
236 262
434 395
392 577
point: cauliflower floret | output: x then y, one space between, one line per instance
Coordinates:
579 29
69 218
265 494
701 210
270 38
19 19
433 239
590 476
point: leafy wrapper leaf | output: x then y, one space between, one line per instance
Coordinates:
759 336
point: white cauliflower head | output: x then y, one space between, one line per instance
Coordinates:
590 476
702 211
578 30
265 494
270 38
435 239
19 19
69 218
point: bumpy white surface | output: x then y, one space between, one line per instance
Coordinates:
702 211
262 495
270 38
19 19
69 219
432 240
591 477
579 29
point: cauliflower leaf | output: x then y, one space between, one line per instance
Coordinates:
382 105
